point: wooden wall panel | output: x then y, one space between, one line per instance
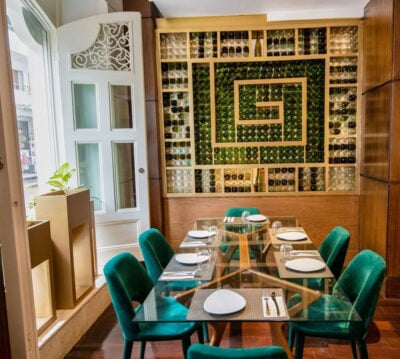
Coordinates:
375 136
378 39
393 248
373 215
317 214
396 40
394 146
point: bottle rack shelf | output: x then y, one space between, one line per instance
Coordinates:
259 110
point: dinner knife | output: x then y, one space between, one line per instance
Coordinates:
273 295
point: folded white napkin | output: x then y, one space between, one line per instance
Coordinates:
192 244
176 277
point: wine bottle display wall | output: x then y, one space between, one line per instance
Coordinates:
261 110
280 42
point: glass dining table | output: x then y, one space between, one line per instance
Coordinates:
231 277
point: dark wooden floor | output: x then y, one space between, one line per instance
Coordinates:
104 339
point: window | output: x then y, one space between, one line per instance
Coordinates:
29 47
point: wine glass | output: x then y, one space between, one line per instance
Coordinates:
245 214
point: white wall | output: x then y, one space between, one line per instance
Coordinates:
72 10
61 12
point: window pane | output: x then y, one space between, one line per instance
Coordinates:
124 173
29 49
89 171
85 107
121 106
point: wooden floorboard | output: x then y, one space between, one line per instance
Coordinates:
104 339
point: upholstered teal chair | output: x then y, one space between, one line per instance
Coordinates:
361 281
202 351
333 250
127 282
157 253
238 211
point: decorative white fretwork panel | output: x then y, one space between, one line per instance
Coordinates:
110 51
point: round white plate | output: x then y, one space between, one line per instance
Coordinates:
256 218
305 265
200 234
291 236
224 301
191 258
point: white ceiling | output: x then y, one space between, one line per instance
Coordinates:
275 9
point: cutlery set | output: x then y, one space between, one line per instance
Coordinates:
270 305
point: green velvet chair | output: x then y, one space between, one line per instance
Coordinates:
333 250
361 281
238 211
157 253
127 282
202 351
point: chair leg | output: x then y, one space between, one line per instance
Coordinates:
142 349
299 345
291 337
362 348
354 349
202 333
185 345
127 349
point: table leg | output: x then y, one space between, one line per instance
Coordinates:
279 338
218 329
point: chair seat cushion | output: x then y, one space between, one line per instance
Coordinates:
168 309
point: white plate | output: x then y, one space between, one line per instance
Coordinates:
256 218
292 236
200 234
224 301
191 258
305 264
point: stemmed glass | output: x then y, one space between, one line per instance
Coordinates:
245 214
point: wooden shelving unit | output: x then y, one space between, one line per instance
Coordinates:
286 115
70 216
42 267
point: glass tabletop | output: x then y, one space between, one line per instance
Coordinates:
236 283
292 302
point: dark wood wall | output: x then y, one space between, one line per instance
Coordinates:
380 167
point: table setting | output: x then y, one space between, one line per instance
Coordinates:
239 304
197 265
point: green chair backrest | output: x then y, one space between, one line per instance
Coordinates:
362 281
156 252
237 211
202 351
333 249
127 281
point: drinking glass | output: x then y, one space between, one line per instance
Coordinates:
276 225
245 214
286 250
